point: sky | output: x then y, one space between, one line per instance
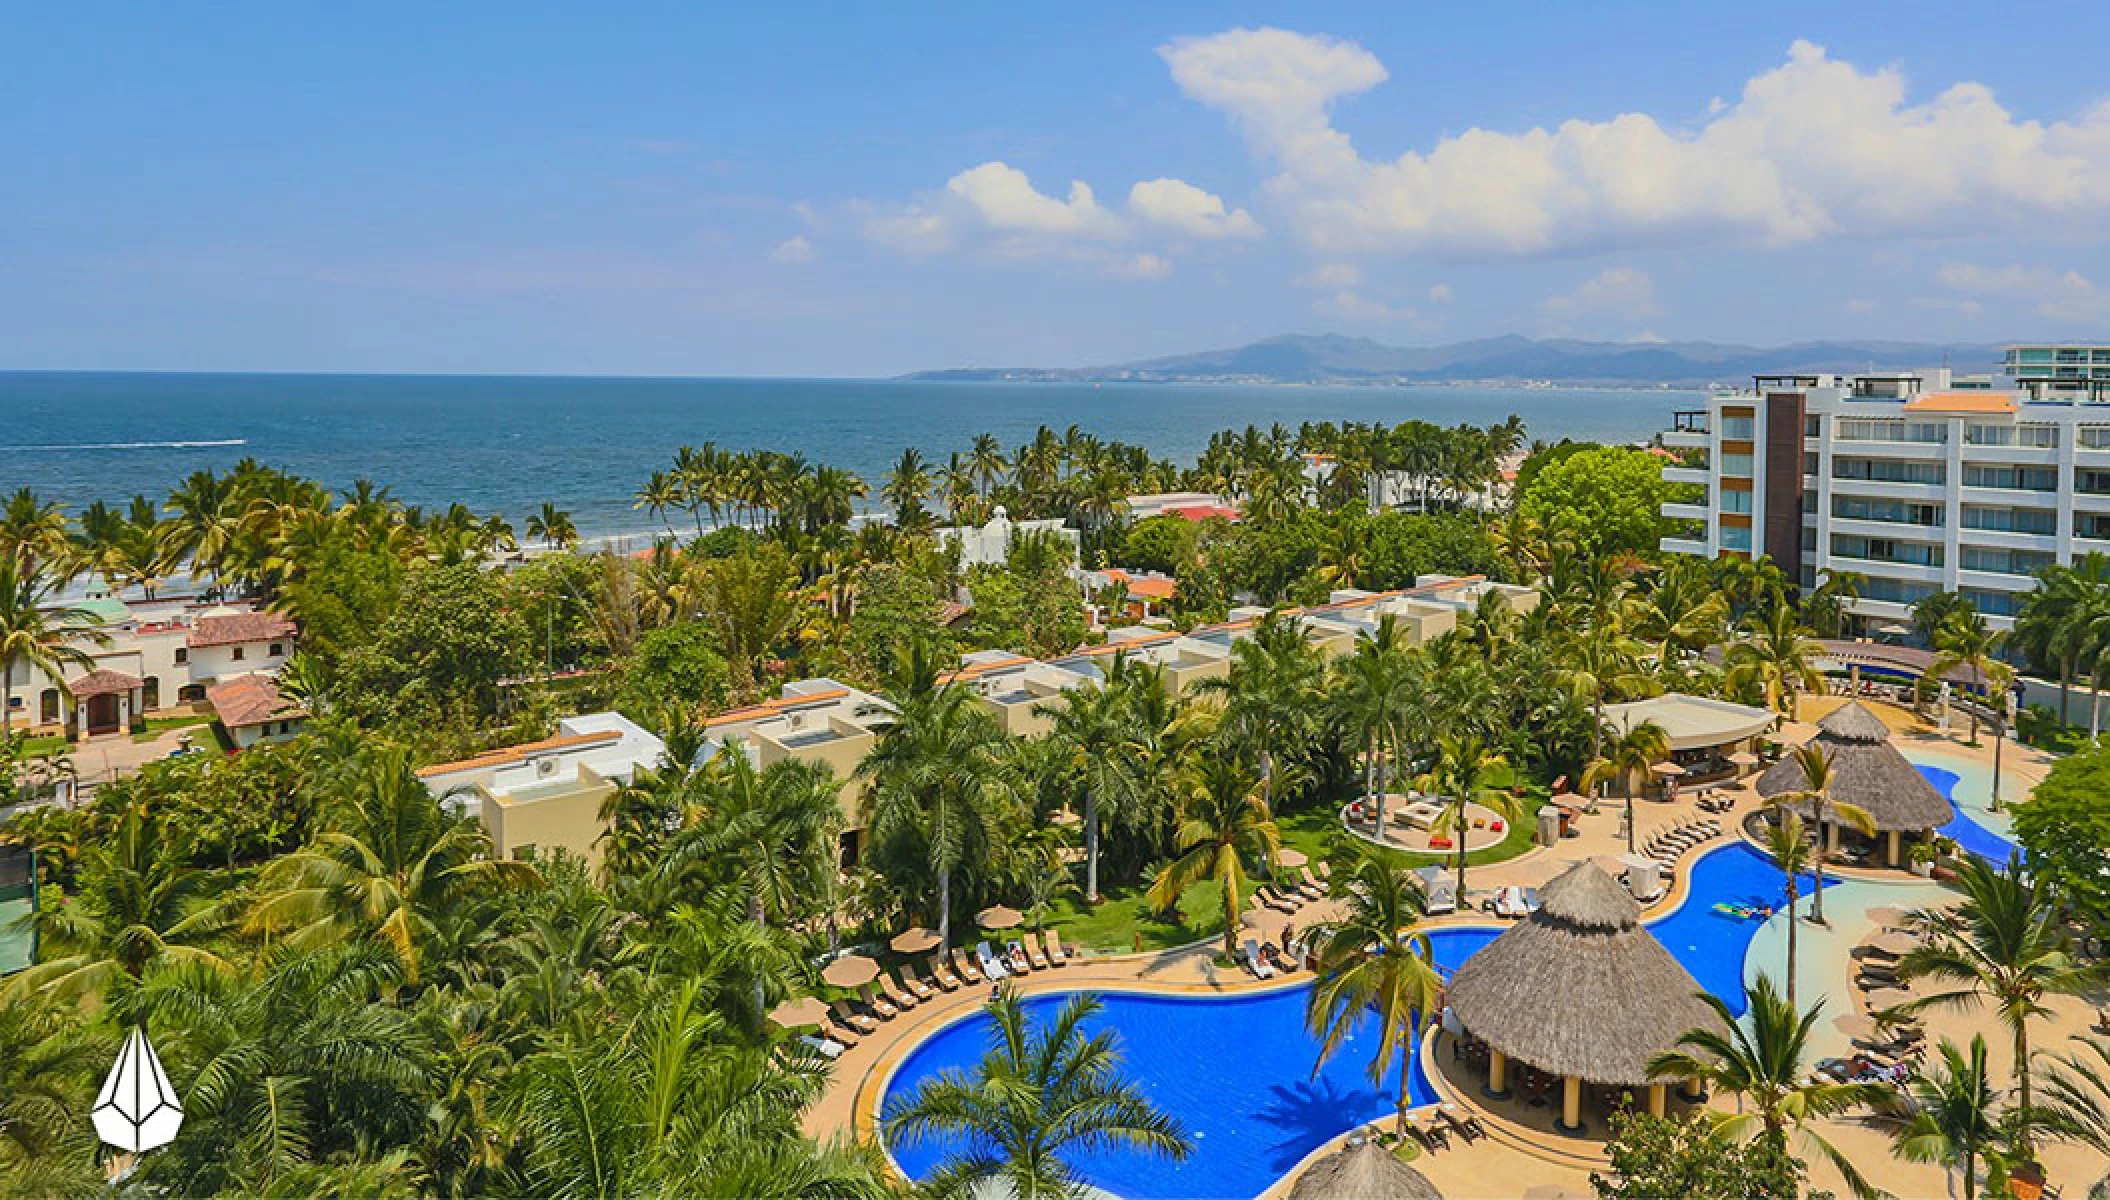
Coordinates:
872 189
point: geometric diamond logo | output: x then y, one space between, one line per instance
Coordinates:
137 1109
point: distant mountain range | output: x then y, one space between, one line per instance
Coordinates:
1333 358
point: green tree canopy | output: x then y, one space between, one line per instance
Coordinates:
1611 496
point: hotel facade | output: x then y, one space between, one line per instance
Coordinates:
1919 481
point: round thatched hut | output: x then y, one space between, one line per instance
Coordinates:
1366 1171
1579 990
1867 772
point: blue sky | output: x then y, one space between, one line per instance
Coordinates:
873 189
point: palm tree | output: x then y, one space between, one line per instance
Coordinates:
1373 958
47 1067
1270 693
1761 1060
660 493
1463 775
33 533
1373 697
938 773
766 833
2004 944
552 525
1035 1099
1816 768
1632 757
1952 1117
390 862
2078 1092
1777 657
1225 823
1097 731
905 487
1787 842
986 459
1598 663
204 524
1964 643
35 630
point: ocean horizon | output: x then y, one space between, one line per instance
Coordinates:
506 443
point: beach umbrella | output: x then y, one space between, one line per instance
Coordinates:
996 916
849 971
1894 944
795 1014
1744 758
137 1109
1887 916
1366 1171
914 940
1287 857
1668 770
1859 1028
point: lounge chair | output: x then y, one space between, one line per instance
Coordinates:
840 1032
877 1003
1325 872
850 1017
906 981
991 965
964 967
1443 898
1038 960
825 1047
1015 958
1464 1124
1056 957
1278 959
1274 899
1249 954
1308 884
1428 1132
935 971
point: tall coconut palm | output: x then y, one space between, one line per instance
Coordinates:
660 493
204 525
2004 945
389 862
905 488
138 906
1776 656
2077 1095
1371 694
767 833
1270 695
938 775
986 459
1096 729
33 534
1628 759
1035 1100
1762 1060
1463 775
1373 958
1817 793
41 633
1597 664
1965 643
553 526
1787 842
1225 827
1953 1116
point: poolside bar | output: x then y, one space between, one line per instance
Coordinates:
1869 773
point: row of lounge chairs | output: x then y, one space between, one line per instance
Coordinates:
1667 846
1714 800
895 992
1265 960
1432 1131
1291 893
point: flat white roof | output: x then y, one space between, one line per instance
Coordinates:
1693 722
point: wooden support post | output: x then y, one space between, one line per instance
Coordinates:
1571 1104
1497 1074
1890 852
1656 1099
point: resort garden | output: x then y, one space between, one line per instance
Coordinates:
353 995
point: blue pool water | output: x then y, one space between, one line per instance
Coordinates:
1237 1070
1962 829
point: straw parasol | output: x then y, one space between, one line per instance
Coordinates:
1867 771
1893 944
1669 770
1885 999
1888 915
1744 758
996 916
1859 1028
1366 1171
1619 997
1287 857
913 940
792 1014
849 971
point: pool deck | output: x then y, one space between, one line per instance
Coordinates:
1518 1157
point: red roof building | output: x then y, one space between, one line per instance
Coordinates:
235 629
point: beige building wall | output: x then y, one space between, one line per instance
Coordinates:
566 817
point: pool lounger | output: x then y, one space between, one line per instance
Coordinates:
825 1047
1427 1132
1463 1124
850 1017
1016 959
905 980
937 972
1053 944
991 965
964 967
890 986
878 1003
1308 887
1249 953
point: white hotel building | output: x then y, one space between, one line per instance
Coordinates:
1917 481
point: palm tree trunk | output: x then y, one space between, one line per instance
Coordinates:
1999 739
1091 846
1792 897
1230 917
2065 683
944 911
1406 1062
1597 726
1458 827
1970 1175
1628 788
7 703
1817 865
2022 1082
2095 707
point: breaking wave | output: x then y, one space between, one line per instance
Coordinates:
195 445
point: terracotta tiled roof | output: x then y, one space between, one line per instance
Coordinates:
775 707
251 700
104 683
1152 587
508 755
230 629
950 613
1202 512
1961 402
976 670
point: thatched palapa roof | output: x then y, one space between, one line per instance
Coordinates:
1867 772
1365 1172
1579 987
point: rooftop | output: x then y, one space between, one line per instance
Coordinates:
233 629
248 700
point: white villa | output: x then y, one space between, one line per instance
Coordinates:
543 796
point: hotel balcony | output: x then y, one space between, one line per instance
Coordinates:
1685 475
1685 512
1670 545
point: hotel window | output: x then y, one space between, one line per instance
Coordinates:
2095 483
2035 436
1738 429
1895 591
182 655
1915 554
2092 437
1894 431
1993 604
1897 512
2005 562
2013 479
1736 537
1886 470
1736 502
238 654
2040 521
1737 464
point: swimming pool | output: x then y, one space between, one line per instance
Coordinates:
1968 788
1237 1070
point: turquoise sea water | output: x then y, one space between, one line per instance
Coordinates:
509 443
1238 1071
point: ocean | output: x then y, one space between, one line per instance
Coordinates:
508 443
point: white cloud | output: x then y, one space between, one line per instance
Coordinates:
1811 149
1181 206
1005 199
1614 291
1354 306
1141 266
794 250
2057 295
1332 275
1440 293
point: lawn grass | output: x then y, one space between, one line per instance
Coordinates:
156 726
50 746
